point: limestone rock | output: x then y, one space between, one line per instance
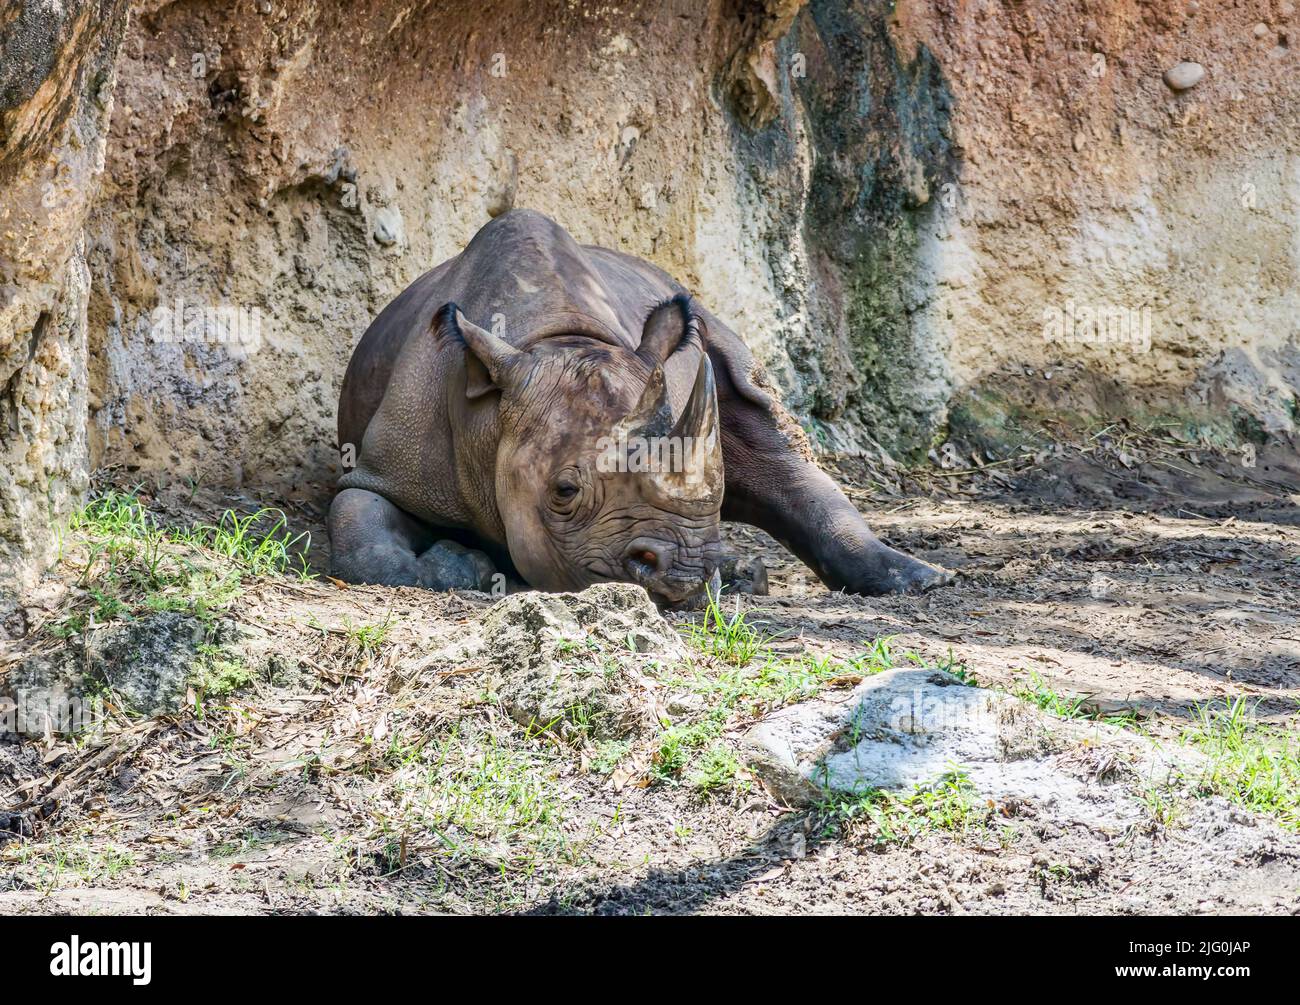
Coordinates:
56 85
907 728
144 667
580 658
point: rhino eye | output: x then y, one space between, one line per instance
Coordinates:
565 489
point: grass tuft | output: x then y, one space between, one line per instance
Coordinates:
131 564
732 639
1253 764
949 804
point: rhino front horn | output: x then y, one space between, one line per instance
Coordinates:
699 419
697 433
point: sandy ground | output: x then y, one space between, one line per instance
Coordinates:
1135 574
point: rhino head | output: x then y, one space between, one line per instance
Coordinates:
594 480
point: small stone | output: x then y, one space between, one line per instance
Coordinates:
1261 30
388 228
1182 76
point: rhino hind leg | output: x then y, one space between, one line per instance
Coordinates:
373 541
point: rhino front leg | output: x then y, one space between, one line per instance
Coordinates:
772 484
373 541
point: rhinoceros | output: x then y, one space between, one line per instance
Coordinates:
560 414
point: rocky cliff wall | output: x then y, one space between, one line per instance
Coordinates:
56 96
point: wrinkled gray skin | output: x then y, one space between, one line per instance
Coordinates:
476 404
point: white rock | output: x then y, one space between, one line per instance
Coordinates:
1182 76
906 728
388 226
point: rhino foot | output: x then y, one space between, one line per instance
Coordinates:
451 566
744 575
375 542
888 571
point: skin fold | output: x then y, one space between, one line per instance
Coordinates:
561 415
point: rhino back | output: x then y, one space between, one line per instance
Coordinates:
522 277
366 379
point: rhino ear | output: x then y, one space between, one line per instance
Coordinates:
490 362
671 326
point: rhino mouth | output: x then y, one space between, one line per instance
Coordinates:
675 586
696 600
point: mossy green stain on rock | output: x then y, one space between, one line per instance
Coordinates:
880 126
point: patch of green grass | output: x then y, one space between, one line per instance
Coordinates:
259 542
73 624
1039 692
608 754
1253 764
58 862
731 639
737 686
1162 805
948 804
361 638
114 514
203 592
779 680
467 796
717 770
959 670
677 745
216 673
368 639
130 563
573 724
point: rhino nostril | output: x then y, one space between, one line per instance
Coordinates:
646 557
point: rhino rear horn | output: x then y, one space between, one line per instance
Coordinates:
489 361
653 414
671 326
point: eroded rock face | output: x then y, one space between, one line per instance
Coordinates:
56 93
564 660
890 202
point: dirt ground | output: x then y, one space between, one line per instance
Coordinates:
1135 573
